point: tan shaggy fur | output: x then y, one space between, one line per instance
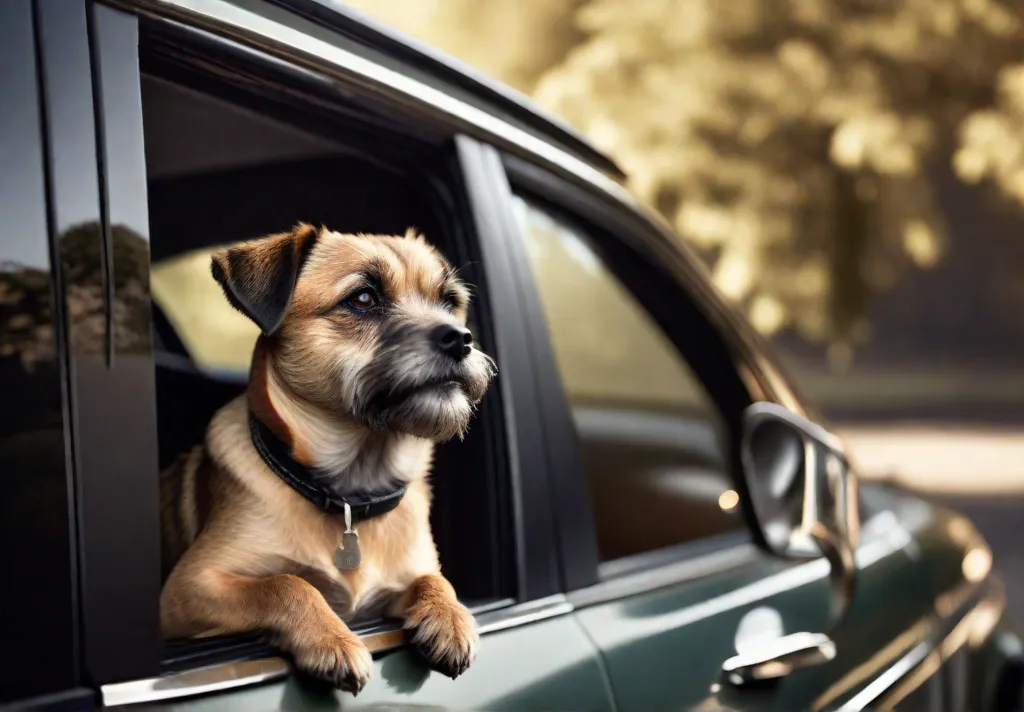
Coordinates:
244 551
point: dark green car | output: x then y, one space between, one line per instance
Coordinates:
645 514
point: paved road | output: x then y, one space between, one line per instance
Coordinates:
946 460
999 519
977 470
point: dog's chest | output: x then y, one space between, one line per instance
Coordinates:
394 549
361 594
384 570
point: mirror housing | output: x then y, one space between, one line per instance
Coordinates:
802 491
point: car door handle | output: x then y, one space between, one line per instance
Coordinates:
779 657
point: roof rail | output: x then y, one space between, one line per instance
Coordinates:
418 55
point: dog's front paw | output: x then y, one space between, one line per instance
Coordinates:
343 660
444 633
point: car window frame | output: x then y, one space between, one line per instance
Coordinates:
361 133
738 384
534 501
537 586
49 670
116 509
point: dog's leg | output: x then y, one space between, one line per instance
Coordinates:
439 627
288 608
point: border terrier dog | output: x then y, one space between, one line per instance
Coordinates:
308 504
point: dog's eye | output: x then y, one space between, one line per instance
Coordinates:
363 300
451 300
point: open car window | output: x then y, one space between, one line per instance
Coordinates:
223 170
216 336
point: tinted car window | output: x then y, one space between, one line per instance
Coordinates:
36 535
652 441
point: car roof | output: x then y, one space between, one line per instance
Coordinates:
448 73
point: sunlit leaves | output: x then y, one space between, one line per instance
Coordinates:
792 141
992 141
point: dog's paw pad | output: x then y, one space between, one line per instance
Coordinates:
343 661
445 635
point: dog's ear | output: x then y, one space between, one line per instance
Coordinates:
258 277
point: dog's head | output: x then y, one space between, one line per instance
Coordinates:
368 327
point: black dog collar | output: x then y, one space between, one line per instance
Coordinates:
304 480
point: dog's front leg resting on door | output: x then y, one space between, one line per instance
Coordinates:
437 625
285 606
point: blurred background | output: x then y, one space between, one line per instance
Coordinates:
851 171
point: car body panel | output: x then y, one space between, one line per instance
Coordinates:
663 648
509 674
677 638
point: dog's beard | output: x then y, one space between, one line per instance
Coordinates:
437 413
415 391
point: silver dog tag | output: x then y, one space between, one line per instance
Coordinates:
347 556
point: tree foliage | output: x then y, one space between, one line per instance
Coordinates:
793 142
27 314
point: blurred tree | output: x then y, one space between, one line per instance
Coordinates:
787 140
26 305
992 144
516 41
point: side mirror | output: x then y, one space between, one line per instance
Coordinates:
802 492
804 498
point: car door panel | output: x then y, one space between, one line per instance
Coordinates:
676 638
549 664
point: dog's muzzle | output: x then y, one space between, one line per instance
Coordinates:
435 360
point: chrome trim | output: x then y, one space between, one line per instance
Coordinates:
779 657
918 665
524 614
881 660
215 678
250 28
454 72
218 678
877 688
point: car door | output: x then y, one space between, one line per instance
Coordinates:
647 381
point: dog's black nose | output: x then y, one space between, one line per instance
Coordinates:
452 340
